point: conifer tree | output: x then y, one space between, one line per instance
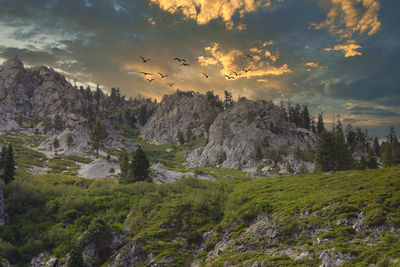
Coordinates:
258 154
305 118
9 165
320 124
58 123
69 140
97 136
56 143
123 160
324 156
387 156
180 137
371 160
343 157
140 166
143 115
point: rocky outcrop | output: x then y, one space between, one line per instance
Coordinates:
39 92
132 254
44 259
238 130
177 112
162 175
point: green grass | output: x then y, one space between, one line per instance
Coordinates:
50 211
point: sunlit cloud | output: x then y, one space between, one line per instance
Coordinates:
203 11
345 17
350 49
236 61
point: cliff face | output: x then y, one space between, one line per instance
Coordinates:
35 91
176 112
40 91
232 135
239 130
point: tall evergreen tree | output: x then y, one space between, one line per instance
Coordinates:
9 165
97 136
324 154
180 137
305 116
69 140
123 160
351 137
140 166
343 157
387 156
320 124
58 123
228 100
143 115
371 160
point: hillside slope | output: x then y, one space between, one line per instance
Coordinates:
306 220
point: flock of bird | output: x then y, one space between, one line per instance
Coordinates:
183 62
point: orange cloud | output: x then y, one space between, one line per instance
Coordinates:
345 17
203 11
350 49
237 61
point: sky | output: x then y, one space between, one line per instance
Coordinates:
340 57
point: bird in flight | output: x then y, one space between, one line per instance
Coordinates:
162 75
150 80
180 59
144 59
185 64
205 75
171 84
245 70
237 74
229 77
249 56
146 73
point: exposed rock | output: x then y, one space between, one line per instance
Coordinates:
176 112
162 175
44 259
330 258
132 255
99 168
237 131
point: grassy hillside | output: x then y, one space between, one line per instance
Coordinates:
49 212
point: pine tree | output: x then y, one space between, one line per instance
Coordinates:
9 165
123 160
258 154
56 143
143 115
305 117
228 100
324 154
343 157
387 156
351 137
371 160
320 124
180 137
376 147
189 134
3 155
75 257
140 166
47 124
69 140
58 123
97 136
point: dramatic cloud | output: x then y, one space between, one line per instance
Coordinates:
203 11
349 54
345 17
243 65
350 49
